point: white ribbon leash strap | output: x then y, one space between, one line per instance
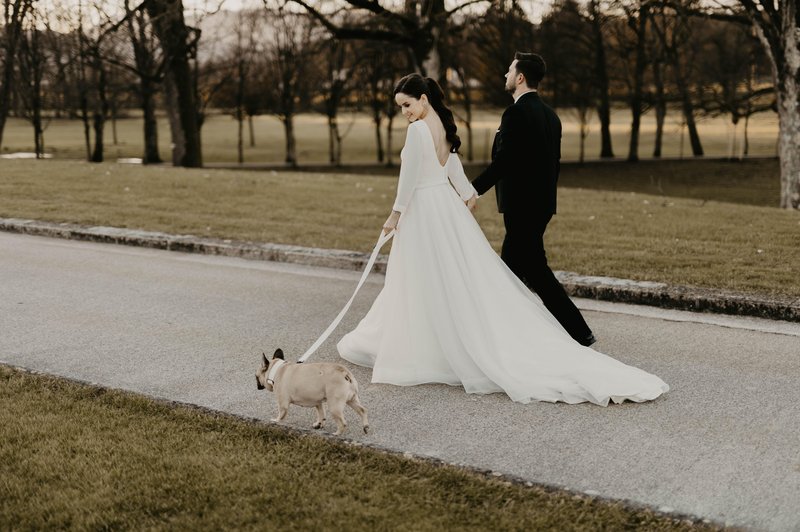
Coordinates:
384 238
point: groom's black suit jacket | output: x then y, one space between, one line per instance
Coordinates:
525 159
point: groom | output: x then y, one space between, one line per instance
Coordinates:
524 171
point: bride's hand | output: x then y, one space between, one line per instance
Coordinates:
391 222
472 203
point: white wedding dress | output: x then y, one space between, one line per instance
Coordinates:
452 312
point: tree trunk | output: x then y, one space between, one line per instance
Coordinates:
100 112
468 118
5 92
789 144
732 142
470 150
37 124
636 112
688 112
780 37
114 137
601 73
746 140
291 145
240 135
176 130
334 141
661 109
151 155
584 131
252 132
36 108
12 23
389 137
376 119
638 81
240 89
99 126
173 33
86 127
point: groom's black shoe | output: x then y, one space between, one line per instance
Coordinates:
589 340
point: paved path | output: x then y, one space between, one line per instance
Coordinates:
723 444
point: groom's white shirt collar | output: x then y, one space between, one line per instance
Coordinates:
523 94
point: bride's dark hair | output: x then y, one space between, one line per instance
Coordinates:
415 85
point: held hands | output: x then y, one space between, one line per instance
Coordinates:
391 222
472 203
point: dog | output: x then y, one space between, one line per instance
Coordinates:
311 385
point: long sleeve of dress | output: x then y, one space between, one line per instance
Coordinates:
410 166
455 171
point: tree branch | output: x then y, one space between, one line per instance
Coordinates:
355 33
462 6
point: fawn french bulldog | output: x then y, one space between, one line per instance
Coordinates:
311 384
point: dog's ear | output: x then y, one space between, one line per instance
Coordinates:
278 354
264 357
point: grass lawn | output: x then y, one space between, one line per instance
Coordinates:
597 232
750 182
79 457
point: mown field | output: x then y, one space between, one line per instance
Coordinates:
84 458
64 138
712 238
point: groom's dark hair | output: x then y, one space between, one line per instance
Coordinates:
531 66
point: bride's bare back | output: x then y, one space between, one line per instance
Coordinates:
439 137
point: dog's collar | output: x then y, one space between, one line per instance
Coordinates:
277 363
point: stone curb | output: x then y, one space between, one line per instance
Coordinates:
689 298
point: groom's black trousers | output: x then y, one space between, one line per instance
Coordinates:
523 252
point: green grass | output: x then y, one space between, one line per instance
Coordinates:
632 235
80 457
64 138
750 182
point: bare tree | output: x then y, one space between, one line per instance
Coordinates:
377 75
341 60
464 57
659 97
419 26
673 27
243 52
14 13
288 53
777 24
568 41
631 38
32 62
598 18
94 58
179 44
147 64
728 79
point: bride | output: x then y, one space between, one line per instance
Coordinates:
450 310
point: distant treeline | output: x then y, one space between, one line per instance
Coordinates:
101 61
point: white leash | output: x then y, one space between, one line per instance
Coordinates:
384 238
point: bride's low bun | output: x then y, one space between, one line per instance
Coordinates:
415 85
